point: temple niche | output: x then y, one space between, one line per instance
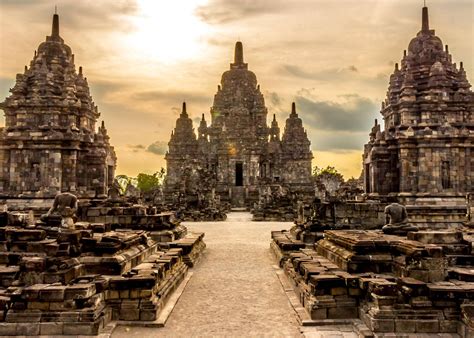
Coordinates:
243 154
423 156
50 143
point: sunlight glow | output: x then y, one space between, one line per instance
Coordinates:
168 31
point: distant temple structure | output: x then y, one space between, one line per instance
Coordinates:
425 152
49 143
240 151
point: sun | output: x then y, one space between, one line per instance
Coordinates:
168 31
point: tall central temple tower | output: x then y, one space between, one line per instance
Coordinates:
238 148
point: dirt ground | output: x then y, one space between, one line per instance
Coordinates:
234 291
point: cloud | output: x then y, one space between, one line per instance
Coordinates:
106 14
158 148
136 147
339 143
226 11
273 98
323 75
354 113
173 97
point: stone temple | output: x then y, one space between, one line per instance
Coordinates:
50 143
424 154
241 152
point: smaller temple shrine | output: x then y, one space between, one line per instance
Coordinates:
423 154
50 143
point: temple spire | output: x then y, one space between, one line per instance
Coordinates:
425 22
293 108
55 29
183 112
239 53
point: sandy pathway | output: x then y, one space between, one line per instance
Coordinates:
234 291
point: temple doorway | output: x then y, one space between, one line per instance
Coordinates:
239 174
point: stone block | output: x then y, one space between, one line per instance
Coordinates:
148 315
81 328
382 325
28 329
129 314
427 326
405 325
49 329
319 313
52 293
8 329
339 291
342 312
79 291
448 326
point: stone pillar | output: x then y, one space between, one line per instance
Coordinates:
470 207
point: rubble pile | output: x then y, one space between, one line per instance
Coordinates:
56 280
422 283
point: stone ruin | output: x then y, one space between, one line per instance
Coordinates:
423 156
276 203
196 198
50 143
93 256
118 262
394 270
238 149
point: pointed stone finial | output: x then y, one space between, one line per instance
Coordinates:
461 65
183 111
376 122
55 29
405 53
239 53
26 69
103 124
203 119
446 47
293 108
425 22
274 118
80 70
396 66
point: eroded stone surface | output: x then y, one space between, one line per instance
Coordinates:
240 151
49 143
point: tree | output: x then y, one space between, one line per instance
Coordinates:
124 181
328 177
147 183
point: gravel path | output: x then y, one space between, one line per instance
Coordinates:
234 291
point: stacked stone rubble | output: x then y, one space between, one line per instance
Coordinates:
57 281
422 284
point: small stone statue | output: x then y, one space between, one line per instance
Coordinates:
396 218
65 204
114 192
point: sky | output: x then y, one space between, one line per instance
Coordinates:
143 58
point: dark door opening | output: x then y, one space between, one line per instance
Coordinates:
239 174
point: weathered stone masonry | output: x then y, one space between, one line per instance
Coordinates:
238 147
50 143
